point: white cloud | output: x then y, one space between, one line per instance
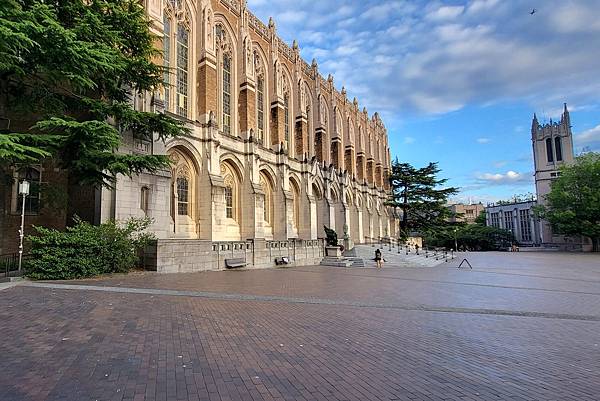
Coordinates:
409 140
508 178
431 58
589 139
445 13
483 140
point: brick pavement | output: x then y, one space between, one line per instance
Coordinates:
77 344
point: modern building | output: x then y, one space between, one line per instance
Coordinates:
552 148
465 213
276 151
517 218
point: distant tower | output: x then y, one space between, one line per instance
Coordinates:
552 147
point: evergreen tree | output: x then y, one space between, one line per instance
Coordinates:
420 196
573 204
68 72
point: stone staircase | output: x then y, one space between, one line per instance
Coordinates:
366 253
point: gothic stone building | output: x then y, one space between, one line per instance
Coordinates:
276 151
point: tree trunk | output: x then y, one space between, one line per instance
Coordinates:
595 244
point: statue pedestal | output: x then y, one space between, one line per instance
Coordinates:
333 251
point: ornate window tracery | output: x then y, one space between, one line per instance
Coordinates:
260 98
295 205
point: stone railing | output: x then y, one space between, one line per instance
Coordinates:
234 5
306 69
286 50
258 26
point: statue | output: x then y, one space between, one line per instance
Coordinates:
331 236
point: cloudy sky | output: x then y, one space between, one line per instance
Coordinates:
458 81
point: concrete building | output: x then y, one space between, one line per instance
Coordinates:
465 213
517 218
276 151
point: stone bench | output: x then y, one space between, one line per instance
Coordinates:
232 263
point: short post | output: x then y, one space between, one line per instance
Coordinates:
23 191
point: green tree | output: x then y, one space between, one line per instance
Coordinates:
68 72
420 195
573 203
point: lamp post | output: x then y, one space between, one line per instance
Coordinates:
23 191
455 240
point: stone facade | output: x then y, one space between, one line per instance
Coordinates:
275 150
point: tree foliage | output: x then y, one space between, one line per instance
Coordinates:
68 71
85 250
420 195
573 203
476 237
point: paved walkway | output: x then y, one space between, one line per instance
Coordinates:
515 327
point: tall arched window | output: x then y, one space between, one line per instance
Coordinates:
268 197
558 148
226 94
229 201
260 108
286 116
231 191
183 199
167 60
549 153
182 69
295 204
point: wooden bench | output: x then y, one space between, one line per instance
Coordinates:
232 263
283 260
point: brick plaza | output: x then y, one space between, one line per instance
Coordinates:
517 327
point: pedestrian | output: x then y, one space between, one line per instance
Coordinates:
378 258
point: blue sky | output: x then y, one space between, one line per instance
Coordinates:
458 81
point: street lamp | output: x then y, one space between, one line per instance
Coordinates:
23 191
455 240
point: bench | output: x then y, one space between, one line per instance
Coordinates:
232 263
283 260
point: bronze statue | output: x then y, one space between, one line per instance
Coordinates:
332 239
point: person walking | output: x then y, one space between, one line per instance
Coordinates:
378 258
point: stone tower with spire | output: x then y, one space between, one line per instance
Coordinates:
552 147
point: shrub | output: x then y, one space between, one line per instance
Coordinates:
86 250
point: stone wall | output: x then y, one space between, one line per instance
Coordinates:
188 255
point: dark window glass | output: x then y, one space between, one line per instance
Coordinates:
549 153
182 196
558 149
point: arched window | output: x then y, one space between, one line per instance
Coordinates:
167 60
260 108
225 57
182 69
549 154
558 148
182 175
226 94
268 197
286 116
145 199
229 201
295 204
183 200
231 191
